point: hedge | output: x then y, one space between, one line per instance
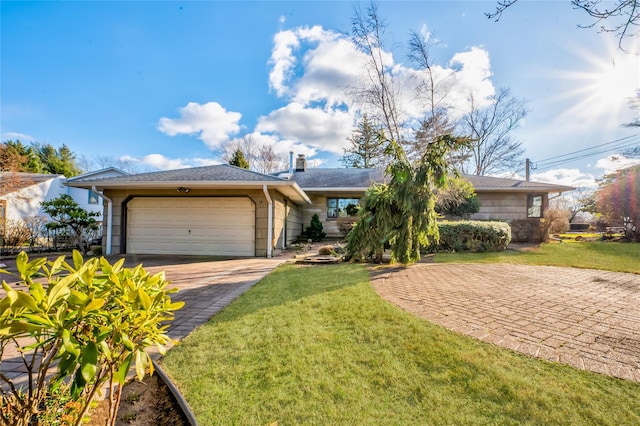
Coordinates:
470 235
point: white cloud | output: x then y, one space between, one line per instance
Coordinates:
330 70
160 162
282 59
315 163
316 70
321 129
311 64
211 122
615 162
569 177
281 147
472 76
15 136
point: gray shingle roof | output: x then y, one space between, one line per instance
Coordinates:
363 178
338 178
489 182
217 173
334 178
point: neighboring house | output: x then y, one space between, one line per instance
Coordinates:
21 194
229 211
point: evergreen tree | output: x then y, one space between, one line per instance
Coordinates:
401 213
367 146
66 213
315 230
61 161
17 157
239 160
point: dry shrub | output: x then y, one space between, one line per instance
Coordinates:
14 233
345 224
555 221
326 250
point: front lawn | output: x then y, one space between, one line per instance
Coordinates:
610 256
317 345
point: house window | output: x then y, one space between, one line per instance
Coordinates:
93 197
534 206
342 207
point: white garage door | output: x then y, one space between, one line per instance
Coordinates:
209 226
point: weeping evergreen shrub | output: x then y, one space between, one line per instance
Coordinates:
401 214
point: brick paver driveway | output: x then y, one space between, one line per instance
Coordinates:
206 284
585 318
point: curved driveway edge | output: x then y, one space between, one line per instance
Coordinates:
207 285
584 318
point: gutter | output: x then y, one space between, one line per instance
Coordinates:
269 220
282 185
109 218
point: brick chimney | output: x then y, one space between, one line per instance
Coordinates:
301 163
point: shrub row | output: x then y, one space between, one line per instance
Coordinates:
472 236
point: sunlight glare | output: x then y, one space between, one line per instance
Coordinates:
602 90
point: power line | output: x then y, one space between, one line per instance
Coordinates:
558 161
590 148
628 144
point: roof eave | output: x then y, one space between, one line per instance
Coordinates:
289 188
336 189
524 189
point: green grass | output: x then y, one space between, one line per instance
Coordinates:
619 257
317 345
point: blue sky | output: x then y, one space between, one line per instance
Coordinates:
166 84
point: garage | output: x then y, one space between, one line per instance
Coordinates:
216 226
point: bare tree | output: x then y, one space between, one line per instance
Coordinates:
574 203
431 91
623 18
100 162
378 89
248 145
493 148
261 157
267 161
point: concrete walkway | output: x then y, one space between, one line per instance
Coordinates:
206 284
585 318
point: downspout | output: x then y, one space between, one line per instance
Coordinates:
109 218
269 220
555 196
284 227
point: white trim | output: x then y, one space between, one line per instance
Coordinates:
293 189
